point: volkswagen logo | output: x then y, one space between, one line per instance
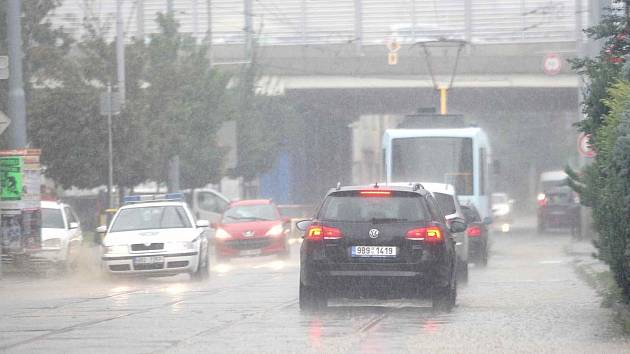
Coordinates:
248 233
374 233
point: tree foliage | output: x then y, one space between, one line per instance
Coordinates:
45 48
605 184
183 106
174 106
263 122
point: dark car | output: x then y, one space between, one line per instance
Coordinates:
381 242
477 233
560 208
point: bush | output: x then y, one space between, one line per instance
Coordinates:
605 184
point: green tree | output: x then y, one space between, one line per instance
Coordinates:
183 106
263 124
65 120
45 48
605 184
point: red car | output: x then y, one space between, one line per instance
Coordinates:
251 228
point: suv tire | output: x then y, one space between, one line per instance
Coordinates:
462 272
444 298
312 298
483 260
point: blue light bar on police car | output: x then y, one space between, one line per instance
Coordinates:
153 198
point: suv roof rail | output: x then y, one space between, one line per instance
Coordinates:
417 186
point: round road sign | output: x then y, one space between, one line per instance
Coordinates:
552 64
584 146
392 44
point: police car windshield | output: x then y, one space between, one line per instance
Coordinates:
52 219
353 207
245 213
153 217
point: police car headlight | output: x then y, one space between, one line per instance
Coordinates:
116 249
52 243
180 246
222 234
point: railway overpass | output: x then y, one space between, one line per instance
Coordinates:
330 58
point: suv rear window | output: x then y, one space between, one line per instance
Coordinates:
352 207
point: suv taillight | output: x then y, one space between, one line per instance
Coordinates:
474 231
320 232
431 234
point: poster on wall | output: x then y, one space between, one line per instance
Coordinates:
11 225
20 213
10 178
31 228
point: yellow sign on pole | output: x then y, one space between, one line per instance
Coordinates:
443 99
392 58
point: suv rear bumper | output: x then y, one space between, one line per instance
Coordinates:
324 274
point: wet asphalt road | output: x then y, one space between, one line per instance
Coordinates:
528 299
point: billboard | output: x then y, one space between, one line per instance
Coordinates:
20 213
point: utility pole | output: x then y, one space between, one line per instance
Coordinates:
110 149
195 20
120 51
358 26
209 32
468 20
140 19
247 9
173 164
17 105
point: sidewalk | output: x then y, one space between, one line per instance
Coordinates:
597 274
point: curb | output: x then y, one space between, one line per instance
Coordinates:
584 265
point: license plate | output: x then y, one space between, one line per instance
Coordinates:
148 260
250 252
374 251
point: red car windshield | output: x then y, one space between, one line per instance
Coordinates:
248 213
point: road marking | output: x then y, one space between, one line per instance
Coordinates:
551 262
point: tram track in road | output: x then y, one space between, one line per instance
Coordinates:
144 287
227 325
85 324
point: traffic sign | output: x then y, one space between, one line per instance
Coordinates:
552 64
4 67
393 45
584 146
4 122
392 58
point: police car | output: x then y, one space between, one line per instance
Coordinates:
155 235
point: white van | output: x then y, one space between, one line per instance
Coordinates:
204 203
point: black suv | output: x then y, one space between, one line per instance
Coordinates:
378 241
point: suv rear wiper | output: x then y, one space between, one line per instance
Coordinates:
386 220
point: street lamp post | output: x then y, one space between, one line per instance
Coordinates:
110 154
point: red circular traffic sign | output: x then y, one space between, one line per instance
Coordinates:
552 64
584 146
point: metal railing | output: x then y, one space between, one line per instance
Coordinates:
291 22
